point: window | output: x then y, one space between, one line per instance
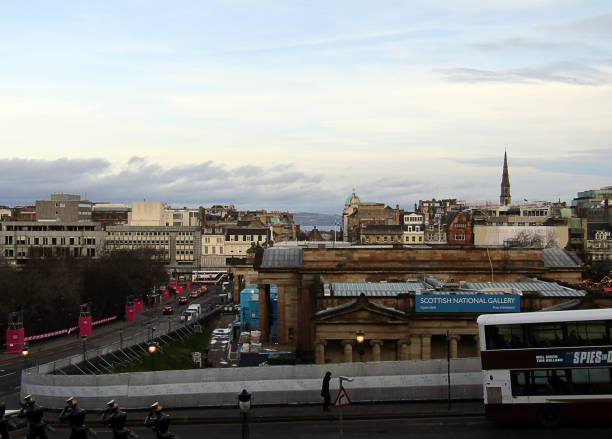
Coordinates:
459 237
542 335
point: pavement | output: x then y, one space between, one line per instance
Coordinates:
297 412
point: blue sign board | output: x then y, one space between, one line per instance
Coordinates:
573 357
480 303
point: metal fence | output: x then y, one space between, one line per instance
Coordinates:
126 349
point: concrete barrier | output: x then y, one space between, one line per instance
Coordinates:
374 381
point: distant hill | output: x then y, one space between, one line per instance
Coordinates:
316 219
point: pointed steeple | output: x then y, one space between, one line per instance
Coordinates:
504 197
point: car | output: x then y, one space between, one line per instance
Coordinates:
205 289
194 294
183 299
167 310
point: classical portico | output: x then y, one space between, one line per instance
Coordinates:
390 334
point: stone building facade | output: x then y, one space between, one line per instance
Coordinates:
301 273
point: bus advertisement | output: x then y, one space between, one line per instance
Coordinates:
210 277
547 367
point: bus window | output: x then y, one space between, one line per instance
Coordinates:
586 333
594 381
558 381
599 380
540 383
504 337
518 381
545 335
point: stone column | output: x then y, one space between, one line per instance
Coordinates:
415 347
426 347
403 350
320 351
348 350
376 344
264 312
454 341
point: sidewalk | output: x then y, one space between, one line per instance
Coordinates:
294 413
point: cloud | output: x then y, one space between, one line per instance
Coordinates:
512 43
582 162
561 72
599 26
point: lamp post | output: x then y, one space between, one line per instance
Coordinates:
244 402
84 337
120 338
360 339
25 351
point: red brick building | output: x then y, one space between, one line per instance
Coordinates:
459 231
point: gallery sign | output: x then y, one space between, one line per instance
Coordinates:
477 303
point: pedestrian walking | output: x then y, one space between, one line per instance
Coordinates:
116 419
325 391
159 422
3 422
75 415
34 414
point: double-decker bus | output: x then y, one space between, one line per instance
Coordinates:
210 277
547 366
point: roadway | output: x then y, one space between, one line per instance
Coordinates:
468 427
65 346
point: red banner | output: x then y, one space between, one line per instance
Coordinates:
179 289
130 313
188 285
138 304
85 325
165 294
14 339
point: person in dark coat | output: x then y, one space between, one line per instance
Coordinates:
34 414
159 422
116 419
325 391
4 432
76 416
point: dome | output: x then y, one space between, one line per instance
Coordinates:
352 199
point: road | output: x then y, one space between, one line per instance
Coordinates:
12 364
421 428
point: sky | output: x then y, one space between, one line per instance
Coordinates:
290 105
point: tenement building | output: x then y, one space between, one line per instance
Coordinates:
325 295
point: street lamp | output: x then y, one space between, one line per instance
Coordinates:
84 348
360 338
25 351
244 402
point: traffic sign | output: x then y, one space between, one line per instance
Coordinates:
342 399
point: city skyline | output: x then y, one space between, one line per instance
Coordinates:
290 106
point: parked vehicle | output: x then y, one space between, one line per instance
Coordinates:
194 294
167 310
183 300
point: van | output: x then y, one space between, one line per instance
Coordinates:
195 307
188 315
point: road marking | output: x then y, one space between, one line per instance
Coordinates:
8 374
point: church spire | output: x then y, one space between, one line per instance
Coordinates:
504 197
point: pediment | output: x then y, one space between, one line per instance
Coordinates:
360 310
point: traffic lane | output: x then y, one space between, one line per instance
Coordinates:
423 428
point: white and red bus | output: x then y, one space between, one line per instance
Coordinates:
210 277
547 366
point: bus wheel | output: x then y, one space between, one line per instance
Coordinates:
549 417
